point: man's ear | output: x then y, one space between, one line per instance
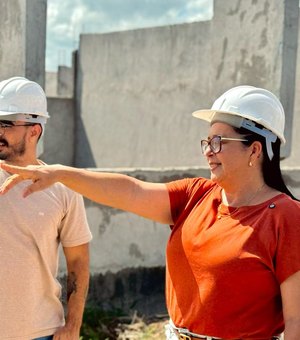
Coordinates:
36 130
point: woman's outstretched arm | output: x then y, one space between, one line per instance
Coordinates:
150 200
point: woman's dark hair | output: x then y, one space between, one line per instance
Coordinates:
270 168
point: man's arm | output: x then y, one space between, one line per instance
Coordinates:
77 259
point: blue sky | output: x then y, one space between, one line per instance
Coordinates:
66 19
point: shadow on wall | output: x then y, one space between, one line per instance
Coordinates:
83 153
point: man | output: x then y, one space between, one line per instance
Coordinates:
31 231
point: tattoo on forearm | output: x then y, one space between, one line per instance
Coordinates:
71 284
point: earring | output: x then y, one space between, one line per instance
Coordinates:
250 163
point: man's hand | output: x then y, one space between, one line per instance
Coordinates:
67 333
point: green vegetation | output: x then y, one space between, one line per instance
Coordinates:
100 325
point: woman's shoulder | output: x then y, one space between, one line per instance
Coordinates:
285 206
284 199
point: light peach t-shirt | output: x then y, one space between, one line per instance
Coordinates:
31 230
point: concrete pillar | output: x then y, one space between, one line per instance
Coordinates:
289 65
23 39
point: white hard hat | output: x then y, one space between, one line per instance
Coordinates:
24 100
243 106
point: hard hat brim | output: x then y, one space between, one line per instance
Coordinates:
208 115
9 113
38 118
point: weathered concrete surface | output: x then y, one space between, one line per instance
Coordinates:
23 39
133 107
136 89
255 42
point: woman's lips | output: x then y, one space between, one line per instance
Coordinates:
213 165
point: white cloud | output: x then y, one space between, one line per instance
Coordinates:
66 19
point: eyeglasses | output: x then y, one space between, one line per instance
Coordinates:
4 126
215 143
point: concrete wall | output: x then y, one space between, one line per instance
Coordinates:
263 52
142 94
60 83
58 139
23 39
136 89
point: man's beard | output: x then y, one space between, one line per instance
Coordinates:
12 152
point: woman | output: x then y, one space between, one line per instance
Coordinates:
233 259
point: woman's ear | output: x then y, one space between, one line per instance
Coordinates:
256 152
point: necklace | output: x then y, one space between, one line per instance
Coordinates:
230 213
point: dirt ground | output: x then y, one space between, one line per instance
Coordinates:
140 329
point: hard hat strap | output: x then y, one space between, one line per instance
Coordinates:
269 136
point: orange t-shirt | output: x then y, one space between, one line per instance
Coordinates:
224 274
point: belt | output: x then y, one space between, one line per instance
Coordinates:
205 337
192 337
185 334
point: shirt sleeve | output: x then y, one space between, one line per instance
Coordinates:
182 192
74 229
287 260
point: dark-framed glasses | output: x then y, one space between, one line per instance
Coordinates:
4 126
215 143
